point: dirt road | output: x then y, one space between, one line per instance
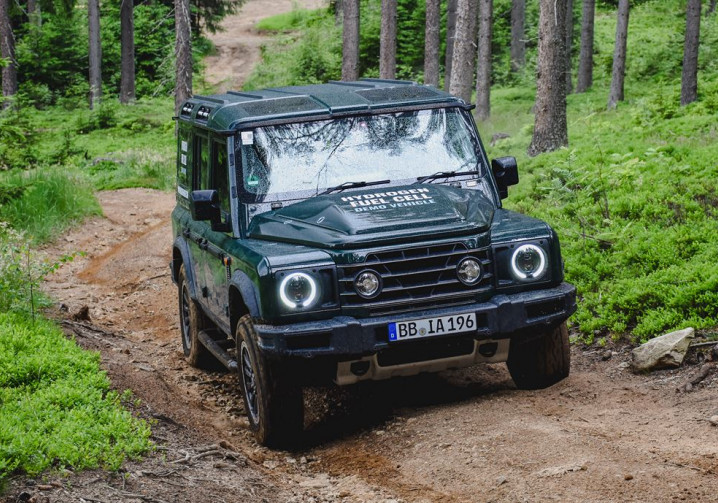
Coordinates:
239 43
603 434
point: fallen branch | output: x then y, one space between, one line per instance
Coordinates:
702 374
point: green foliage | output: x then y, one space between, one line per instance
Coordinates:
45 201
17 141
56 408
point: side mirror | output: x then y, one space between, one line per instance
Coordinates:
506 173
204 205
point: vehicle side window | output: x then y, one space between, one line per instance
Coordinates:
201 163
220 174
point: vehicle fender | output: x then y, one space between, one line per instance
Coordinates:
181 255
248 291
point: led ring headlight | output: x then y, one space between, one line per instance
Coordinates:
298 289
528 262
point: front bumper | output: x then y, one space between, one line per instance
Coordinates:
346 338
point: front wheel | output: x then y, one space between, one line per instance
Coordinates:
274 403
539 362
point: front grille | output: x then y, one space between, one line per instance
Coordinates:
418 277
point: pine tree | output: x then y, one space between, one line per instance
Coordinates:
585 61
689 78
451 6
431 43
518 43
464 54
93 14
183 53
618 74
387 45
569 45
550 127
483 67
350 47
127 49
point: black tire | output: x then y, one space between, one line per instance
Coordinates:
192 322
539 362
272 399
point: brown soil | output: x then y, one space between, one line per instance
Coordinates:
603 434
239 42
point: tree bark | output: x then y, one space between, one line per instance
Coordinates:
350 47
711 8
387 42
93 15
451 6
338 12
550 128
585 61
183 54
483 66
569 45
518 43
34 12
464 56
619 55
431 43
127 43
7 52
689 78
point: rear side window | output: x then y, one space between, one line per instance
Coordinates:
184 172
220 174
201 163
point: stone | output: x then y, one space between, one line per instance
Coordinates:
666 351
714 420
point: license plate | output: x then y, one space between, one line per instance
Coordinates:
429 327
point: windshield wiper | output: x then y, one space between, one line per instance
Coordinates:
352 185
445 174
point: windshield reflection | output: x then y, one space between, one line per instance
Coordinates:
291 161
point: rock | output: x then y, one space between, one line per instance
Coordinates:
501 480
628 476
606 355
666 351
714 420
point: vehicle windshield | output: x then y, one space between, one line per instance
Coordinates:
292 161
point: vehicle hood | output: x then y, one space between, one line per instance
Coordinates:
377 216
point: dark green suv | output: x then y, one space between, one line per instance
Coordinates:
352 231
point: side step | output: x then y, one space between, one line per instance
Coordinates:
214 347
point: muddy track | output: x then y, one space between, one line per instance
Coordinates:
603 434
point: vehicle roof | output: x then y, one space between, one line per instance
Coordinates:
235 110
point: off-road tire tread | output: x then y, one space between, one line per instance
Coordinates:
540 362
196 355
280 399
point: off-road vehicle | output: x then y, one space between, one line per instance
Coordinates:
352 231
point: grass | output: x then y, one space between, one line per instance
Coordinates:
56 407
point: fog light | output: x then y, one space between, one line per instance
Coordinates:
469 271
367 284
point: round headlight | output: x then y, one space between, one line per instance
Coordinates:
528 262
469 271
367 284
298 290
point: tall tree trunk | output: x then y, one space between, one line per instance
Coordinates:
93 14
483 67
585 61
183 54
619 55
387 43
7 52
338 12
711 8
462 61
569 45
350 47
518 43
451 6
431 43
689 79
34 13
550 128
127 43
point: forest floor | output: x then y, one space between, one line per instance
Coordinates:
238 45
604 434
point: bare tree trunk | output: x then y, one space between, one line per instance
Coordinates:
711 8
34 13
585 62
93 15
431 43
619 55
127 46
451 6
483 67
550 128
387 44
518 43
183 54
338 12
7 52
689 79
350 47
462 62
569 45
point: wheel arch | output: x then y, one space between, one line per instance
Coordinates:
181 256
243 299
